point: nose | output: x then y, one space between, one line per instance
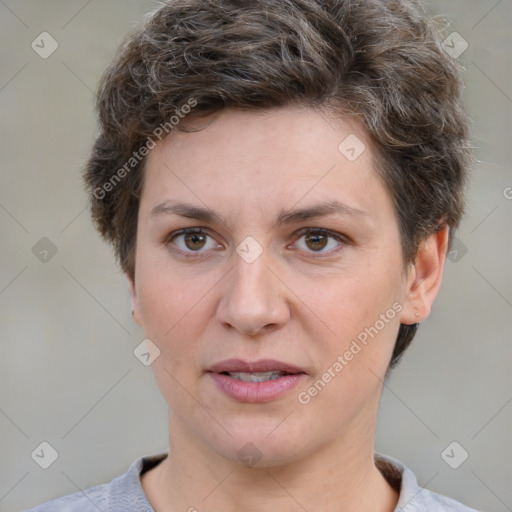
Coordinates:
254 300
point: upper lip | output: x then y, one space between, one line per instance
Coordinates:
262 365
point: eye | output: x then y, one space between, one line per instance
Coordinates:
190 240
314 240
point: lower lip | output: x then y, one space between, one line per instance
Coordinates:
256 392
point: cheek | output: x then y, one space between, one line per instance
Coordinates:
352 361
173 316
168 297
178 316
351 301
360 313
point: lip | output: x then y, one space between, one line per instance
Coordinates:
262 365
255 392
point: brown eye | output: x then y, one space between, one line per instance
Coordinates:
190 240
316 241
320 241
195 241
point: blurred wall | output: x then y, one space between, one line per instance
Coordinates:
68 375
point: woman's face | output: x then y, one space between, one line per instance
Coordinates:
265 277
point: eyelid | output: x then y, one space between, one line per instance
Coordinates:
168 240
340 238
323 231
184 231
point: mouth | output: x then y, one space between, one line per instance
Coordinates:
258 381
264 369
256 376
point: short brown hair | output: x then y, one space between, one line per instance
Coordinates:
379 60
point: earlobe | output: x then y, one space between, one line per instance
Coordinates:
135 301
425 278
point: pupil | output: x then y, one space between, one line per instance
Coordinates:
319 241
198 240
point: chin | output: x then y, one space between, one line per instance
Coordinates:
267 442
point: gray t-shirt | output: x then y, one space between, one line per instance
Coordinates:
125 493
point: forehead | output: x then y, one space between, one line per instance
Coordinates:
266 158
291 129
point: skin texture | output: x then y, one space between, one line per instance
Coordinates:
287 305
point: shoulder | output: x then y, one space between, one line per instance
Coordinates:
414 498
436 502
123 493
90 500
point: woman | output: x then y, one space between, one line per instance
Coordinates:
281 182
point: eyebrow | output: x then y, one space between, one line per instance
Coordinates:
183 210
318 210
207 215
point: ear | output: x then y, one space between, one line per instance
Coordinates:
425 278
135 301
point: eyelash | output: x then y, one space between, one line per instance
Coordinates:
186 254
326 232
305 231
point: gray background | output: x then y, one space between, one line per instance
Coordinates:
68 375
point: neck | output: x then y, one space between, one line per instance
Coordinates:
340 476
